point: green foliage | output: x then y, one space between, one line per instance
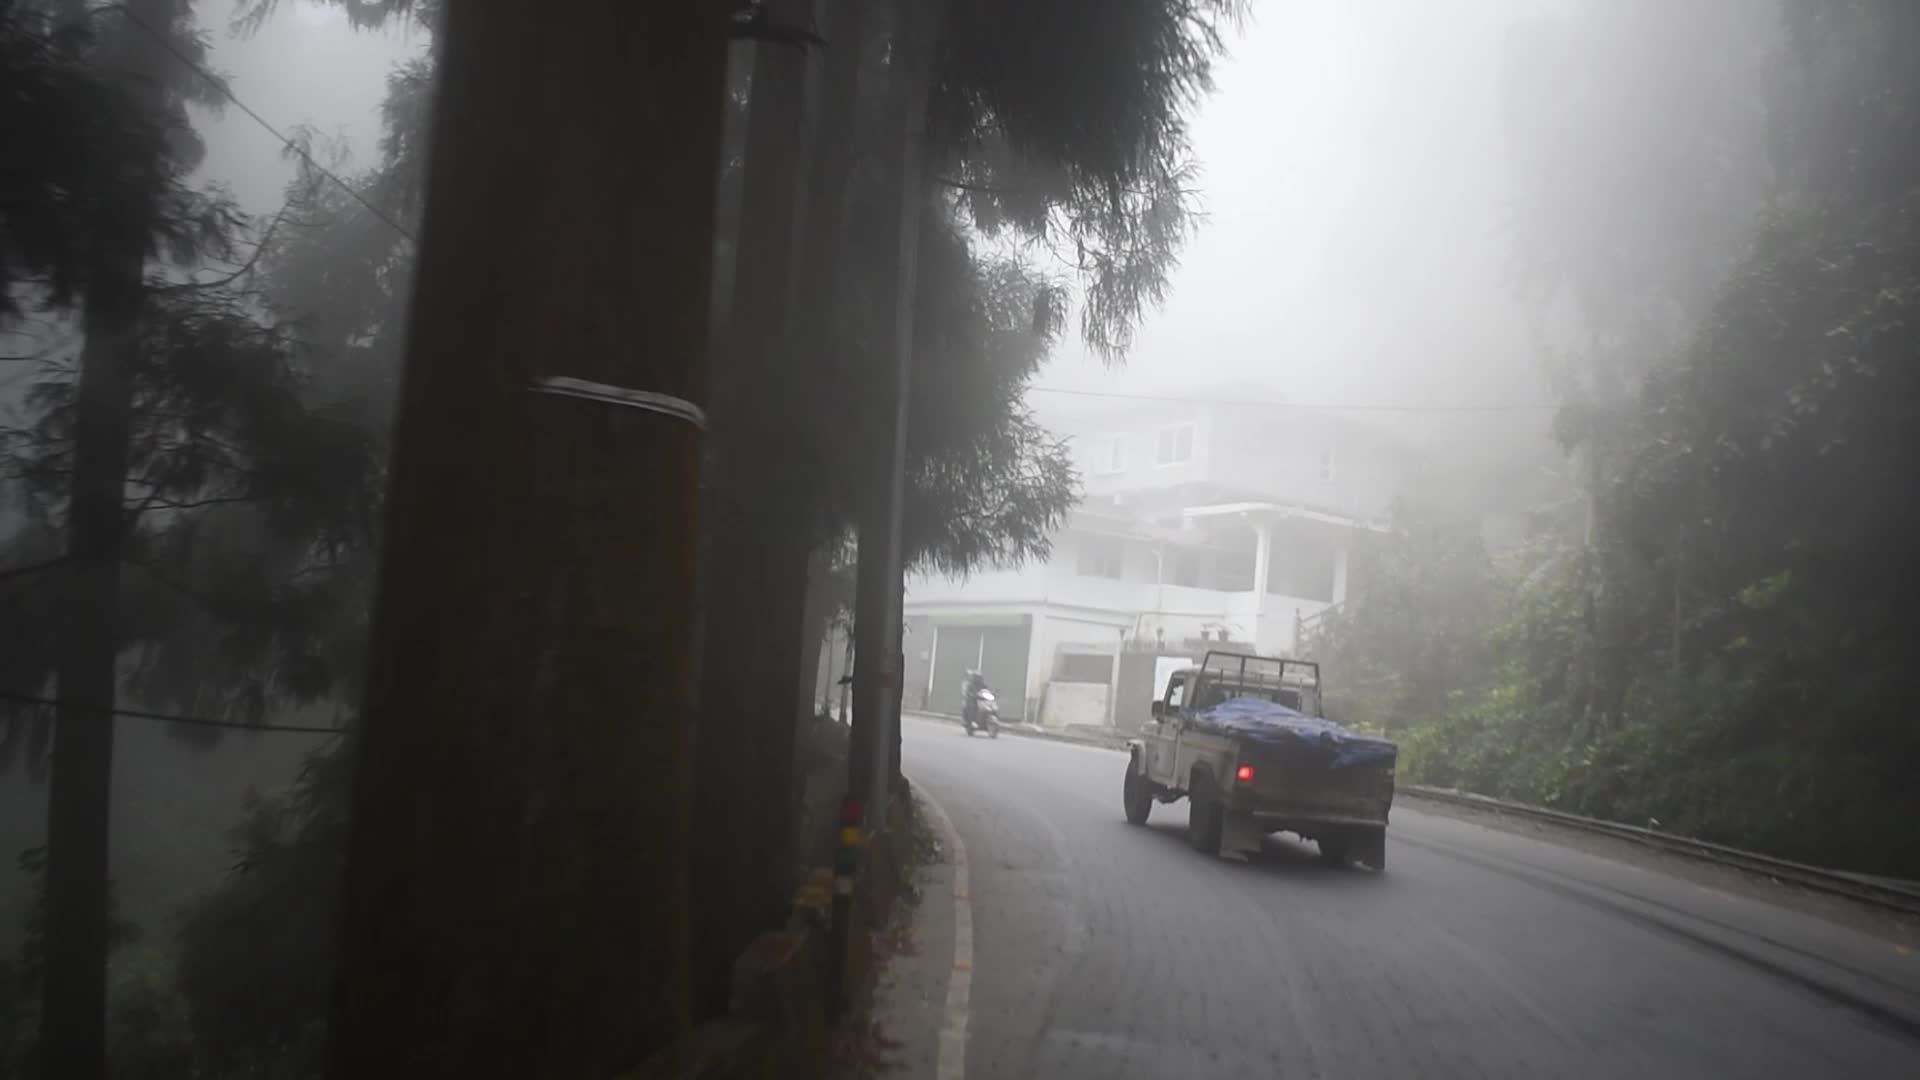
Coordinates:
1744 674
69 124
1728 651
108 152
1414 632
146 1031
244 499
253 471
148 1034
240 993
256 955
1066 123
988 483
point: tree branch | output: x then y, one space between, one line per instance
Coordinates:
967 185
31 569
187 592
154 502
266 238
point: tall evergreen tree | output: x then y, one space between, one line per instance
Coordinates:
514 898
179 493
137 45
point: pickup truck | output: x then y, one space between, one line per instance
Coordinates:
1240 738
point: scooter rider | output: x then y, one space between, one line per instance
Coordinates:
970 688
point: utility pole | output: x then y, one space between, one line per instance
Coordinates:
515 900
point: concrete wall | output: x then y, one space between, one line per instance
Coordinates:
1066 703
917 673
1137 689
1052 630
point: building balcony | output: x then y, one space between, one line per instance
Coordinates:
1143 609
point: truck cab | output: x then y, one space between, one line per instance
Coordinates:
1240 737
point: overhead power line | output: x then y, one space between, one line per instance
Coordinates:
226 91
1268 403
178 718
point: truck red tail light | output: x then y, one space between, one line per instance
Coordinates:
1244 774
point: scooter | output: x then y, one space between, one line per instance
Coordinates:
986 715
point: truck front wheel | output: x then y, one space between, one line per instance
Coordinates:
1136 796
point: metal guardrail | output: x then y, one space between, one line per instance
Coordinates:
1901 896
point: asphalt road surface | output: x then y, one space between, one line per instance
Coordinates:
1101 951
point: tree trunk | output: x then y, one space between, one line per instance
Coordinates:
813 632
823 239
757 497
877 622
73 1033
79 797
516 899
791 236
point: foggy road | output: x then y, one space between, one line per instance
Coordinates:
1103 951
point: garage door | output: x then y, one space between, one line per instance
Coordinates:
1003 651
956 649
999 652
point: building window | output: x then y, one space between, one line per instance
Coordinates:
1100 556
1176 445
1079 667
1326 464
1109 456
1183 568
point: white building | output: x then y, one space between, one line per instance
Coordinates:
1201 523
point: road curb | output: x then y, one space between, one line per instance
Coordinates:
951 1062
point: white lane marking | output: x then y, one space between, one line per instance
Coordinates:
952 1063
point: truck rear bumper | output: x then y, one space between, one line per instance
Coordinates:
1245 827
1248 821
1278 820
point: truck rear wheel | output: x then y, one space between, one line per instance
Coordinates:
1136 797
1206 817
1370 847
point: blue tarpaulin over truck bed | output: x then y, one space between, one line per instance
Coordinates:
1273 724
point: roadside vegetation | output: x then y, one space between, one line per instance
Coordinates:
1718 636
